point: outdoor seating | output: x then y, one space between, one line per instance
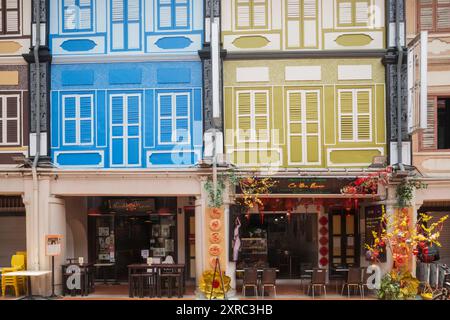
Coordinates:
18 283
250 280
170 278
364 277
319 279
269 278
305 275
353 281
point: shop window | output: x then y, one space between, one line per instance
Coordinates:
10 17
173 14
437 133
253 115
251 14
434 15
78 15
125 25
78 116
173 118
355 115
353 13
9 120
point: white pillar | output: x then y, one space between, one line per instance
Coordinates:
230 265
199 237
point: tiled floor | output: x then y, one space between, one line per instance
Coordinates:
286 290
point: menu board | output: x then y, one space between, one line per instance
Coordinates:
373 216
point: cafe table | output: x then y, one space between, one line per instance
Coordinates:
29 275
104 266
139 267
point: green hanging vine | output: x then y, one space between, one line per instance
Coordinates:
215 197
405 192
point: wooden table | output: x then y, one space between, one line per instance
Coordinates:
156 268
28 274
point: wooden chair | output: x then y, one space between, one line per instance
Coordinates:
353 280
250 280
172 278
269 279
319 279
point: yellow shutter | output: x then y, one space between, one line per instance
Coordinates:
312 127
295 127
429 134
309 32
244 115
363 108
261 115
345 13
362 12
346 115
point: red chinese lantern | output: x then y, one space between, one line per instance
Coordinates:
323 261
323 251
348 205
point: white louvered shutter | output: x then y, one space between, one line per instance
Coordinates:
261 116
12 16
259 13
345 13
310 23
244 115
312 141
133 24
362 13
165 14
181 13
85 15
118 26
243 13
293 23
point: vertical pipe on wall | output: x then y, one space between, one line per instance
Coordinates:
399 83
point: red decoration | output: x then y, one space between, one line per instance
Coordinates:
215 284
323 241
348 204
323 261
323 231
323 221
323 251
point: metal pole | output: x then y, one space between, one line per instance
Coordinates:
53 278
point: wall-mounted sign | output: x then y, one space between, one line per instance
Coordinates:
53 244
132 205
308 185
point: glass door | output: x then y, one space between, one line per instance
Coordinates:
190 242
344 240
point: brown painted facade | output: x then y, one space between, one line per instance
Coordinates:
15 35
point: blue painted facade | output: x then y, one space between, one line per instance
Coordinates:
126 115
114 27
109 112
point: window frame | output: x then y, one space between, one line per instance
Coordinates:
355 114
125 21
174 118
77 119
77 4
353 23
434 6
4 119
253 115
173 5
251 16
3 13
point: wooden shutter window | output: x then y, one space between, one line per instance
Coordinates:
443 15
345 13
181 13
9 17
361 13
243 14
346 115
429 137
9 120
261 116
363 101
244 115
259 13
165 117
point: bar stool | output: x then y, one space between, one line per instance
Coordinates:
137 285
170 277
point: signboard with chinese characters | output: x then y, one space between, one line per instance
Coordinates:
373 223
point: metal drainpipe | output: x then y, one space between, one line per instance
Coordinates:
38 132
214 137
399 85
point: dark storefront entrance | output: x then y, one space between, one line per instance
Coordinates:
275 240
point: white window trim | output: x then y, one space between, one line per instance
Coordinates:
77 119
4 120
370 22
174 118
304 123
124 125
355 114
252 116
